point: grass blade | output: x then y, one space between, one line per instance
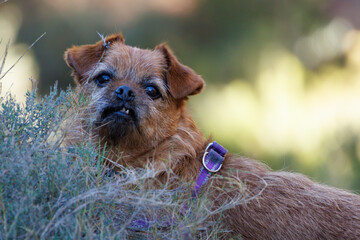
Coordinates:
2 76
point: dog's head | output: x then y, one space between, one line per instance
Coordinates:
136 94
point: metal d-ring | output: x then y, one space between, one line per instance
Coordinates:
203 160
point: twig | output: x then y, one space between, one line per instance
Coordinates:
4 57
2 76
106 46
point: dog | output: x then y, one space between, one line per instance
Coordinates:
138 108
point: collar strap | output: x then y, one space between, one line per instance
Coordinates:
212 161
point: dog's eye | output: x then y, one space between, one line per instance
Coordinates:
102 79
153 92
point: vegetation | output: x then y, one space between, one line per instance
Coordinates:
51 191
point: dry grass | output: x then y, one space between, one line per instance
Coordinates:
51 191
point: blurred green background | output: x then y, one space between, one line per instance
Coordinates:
283 77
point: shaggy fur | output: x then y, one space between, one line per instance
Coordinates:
161 132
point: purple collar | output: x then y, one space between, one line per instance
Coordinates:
212 161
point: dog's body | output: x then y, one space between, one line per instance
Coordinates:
138 103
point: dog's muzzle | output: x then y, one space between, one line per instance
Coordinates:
124 106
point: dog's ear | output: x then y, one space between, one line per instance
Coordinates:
82 58
182 80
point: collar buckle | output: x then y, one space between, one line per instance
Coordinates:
218 150
212 162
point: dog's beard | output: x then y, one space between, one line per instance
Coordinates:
116 121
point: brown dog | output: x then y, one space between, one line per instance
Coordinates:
138 106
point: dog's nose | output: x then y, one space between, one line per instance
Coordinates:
125 93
